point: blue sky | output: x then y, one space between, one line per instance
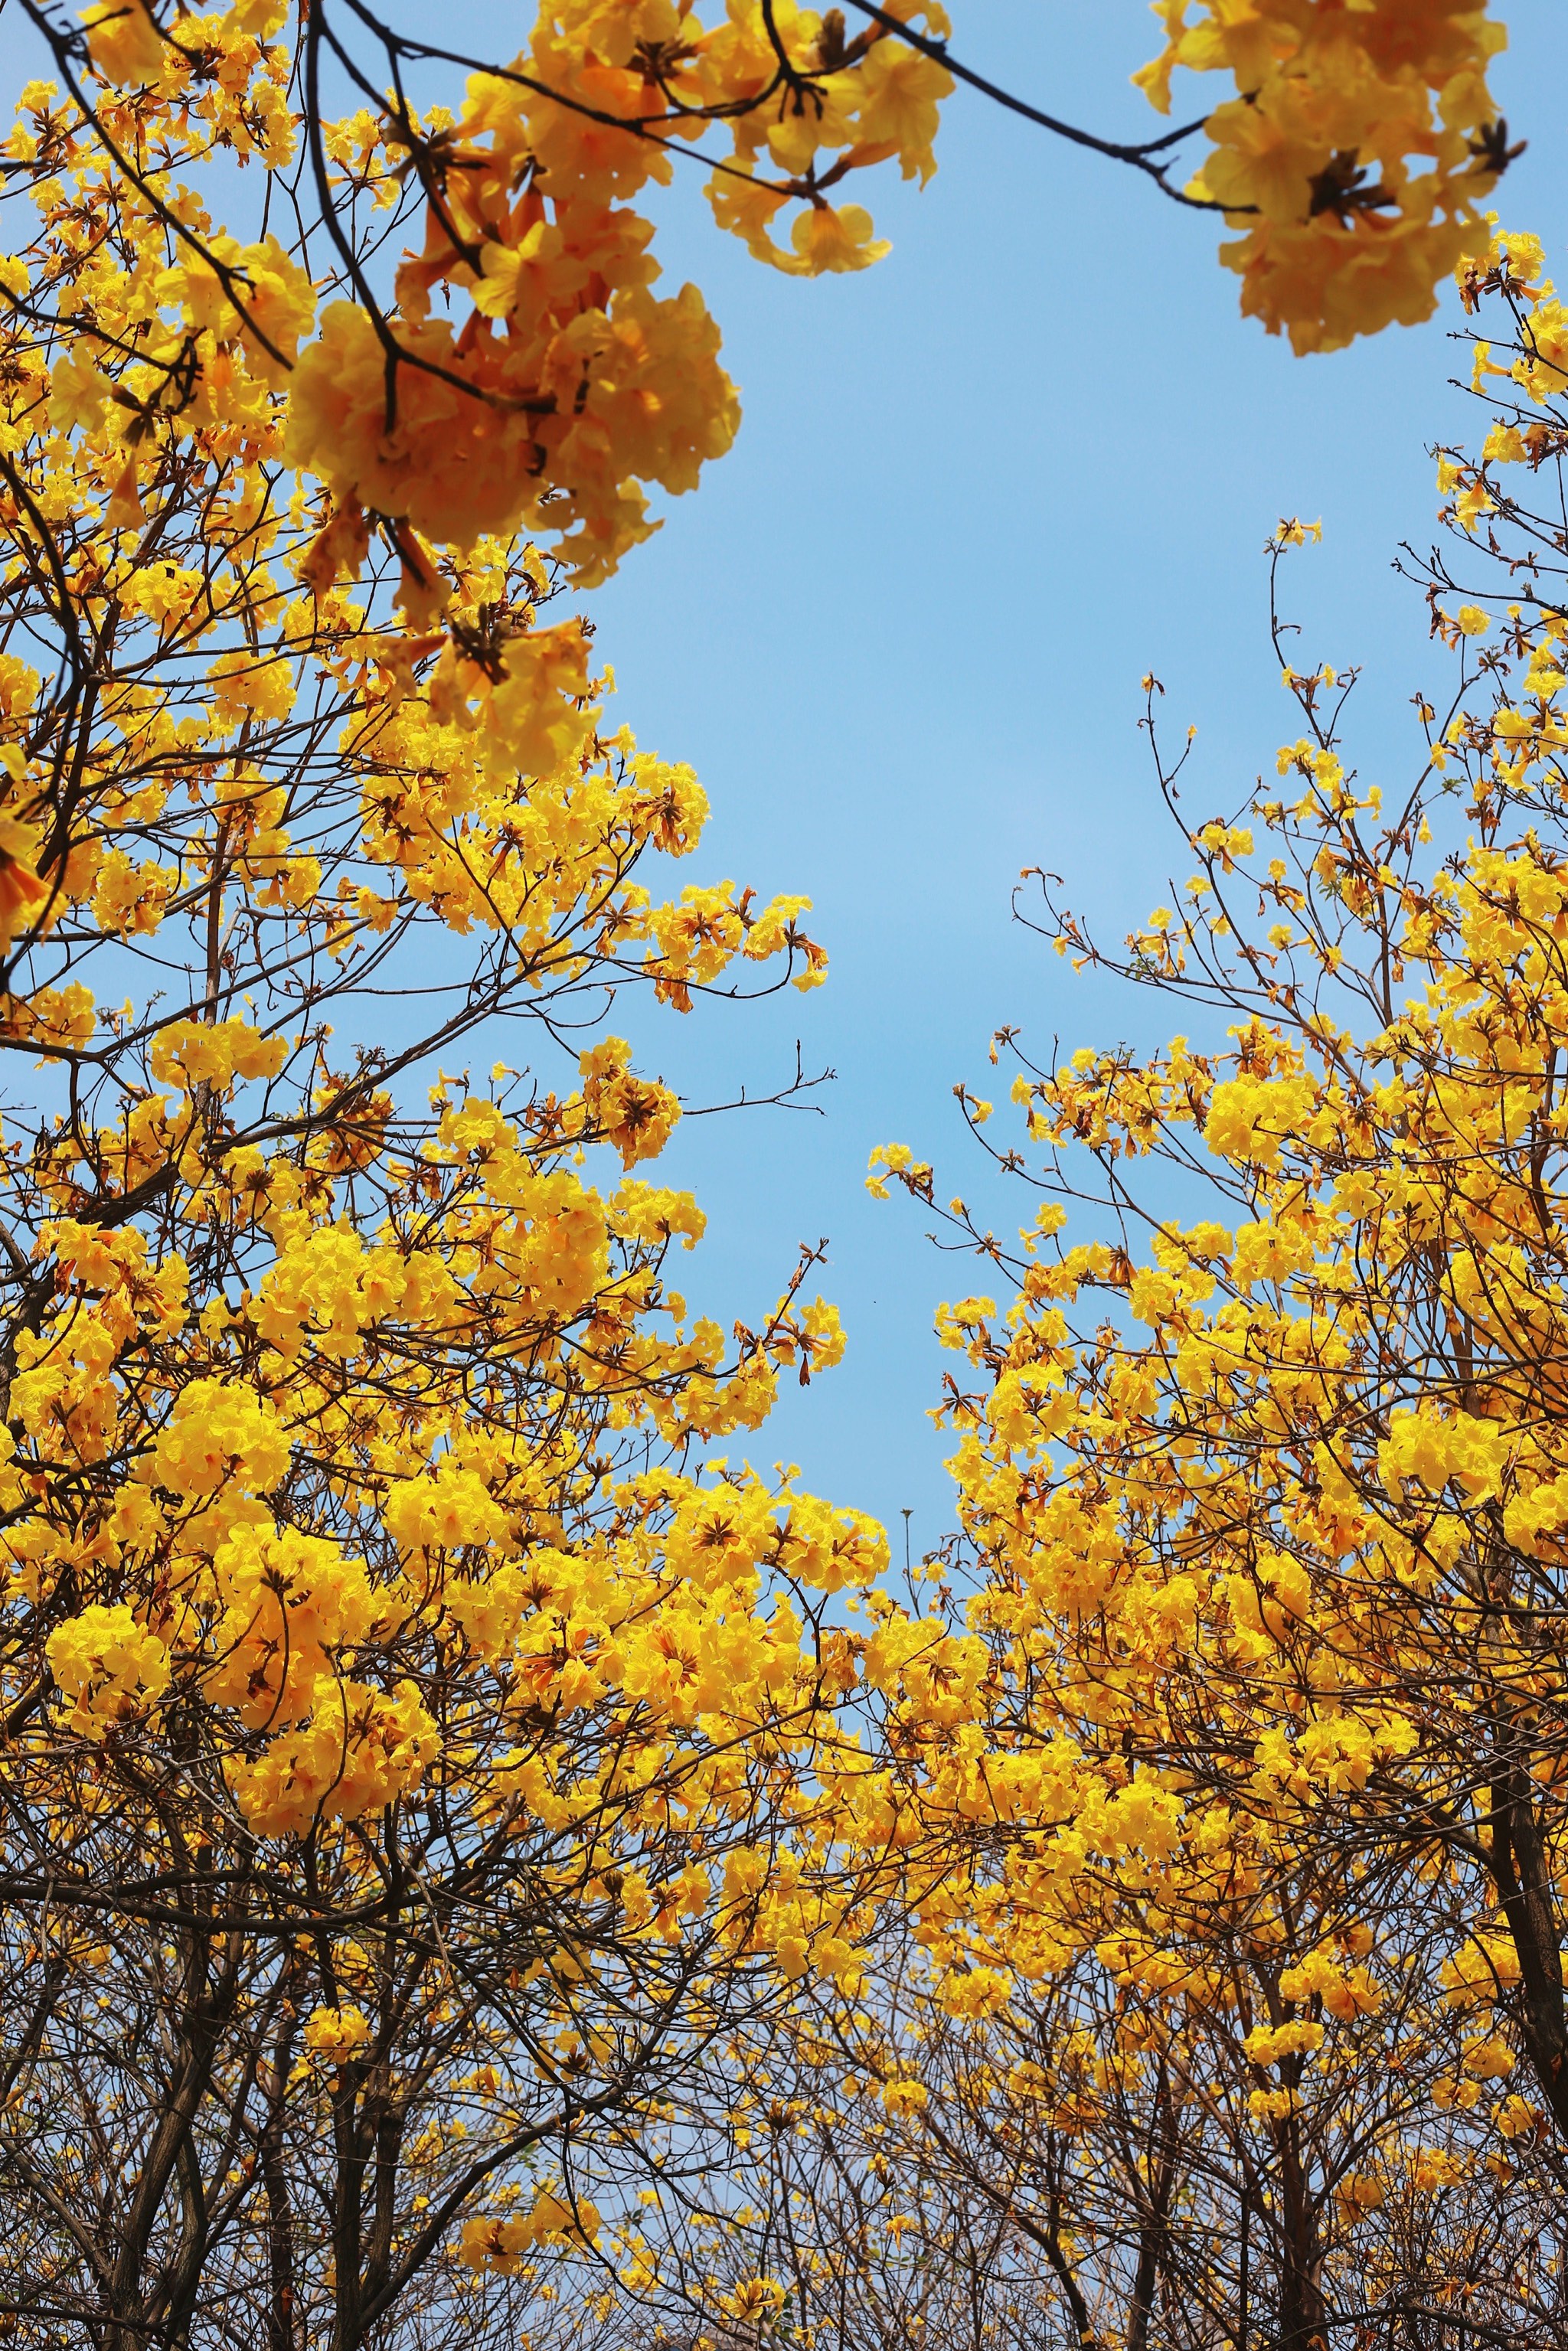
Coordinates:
979 490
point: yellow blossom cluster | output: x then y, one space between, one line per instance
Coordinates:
566 385
334 2033
500 2244
109 1665
1354 156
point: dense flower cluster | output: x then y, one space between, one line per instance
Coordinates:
564 386
1355 157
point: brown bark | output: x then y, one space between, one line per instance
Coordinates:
1522 1874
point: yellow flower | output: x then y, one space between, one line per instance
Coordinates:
110 1666
123 41
333 2035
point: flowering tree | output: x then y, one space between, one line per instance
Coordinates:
387 1693
1260 1789
416 1764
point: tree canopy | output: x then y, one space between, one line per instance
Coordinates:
476 1861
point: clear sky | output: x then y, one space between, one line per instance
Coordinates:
979 490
